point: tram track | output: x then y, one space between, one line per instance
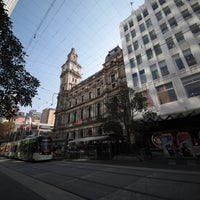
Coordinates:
107 170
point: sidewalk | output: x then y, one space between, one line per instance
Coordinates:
157 162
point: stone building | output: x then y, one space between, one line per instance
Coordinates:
81 104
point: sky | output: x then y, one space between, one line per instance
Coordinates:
48 29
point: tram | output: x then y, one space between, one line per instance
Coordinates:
37 148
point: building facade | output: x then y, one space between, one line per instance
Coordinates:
48 116
161 48
10 5
81 104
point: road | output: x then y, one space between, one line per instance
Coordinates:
74 180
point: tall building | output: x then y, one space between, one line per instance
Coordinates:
81 104
161 49
10 5
48 116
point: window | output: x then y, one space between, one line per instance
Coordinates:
132 63
195 29
154 5
89 112
172 22
129 48
148 23
145 39
179 3
139 17
112 78
81 113
143 76
133 33
153 35
149 53
166 10
159 16
166 93
157 49
196 8
125 27
135 45
192 85
98 109
142 27
90 95
163 28
154 72
163 68
170 43
145 12
139 59
186 15
82 98
75 116
98 91
178 61
179 37
130 23
127 36
135 79
189 57
68 118
162 2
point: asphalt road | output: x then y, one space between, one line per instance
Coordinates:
73 180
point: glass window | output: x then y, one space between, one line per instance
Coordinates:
135 45
196 8
170 43
148 23
139 59
142 27
112 77
192 85
149 53
130 23
143 76
90 95
186 14
172 22
129 48
157 49
133 33
139 17
162 2
195 29
98 91
98 109
179 37
154 72
166 10
179 3
159 15
163 68
153 35
166 93
145 39
163 28
127 36
145 12
132 63
125 27
189 57
154 5
178 61
135 79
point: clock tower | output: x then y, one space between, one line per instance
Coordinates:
71 72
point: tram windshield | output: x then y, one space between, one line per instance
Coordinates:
45 144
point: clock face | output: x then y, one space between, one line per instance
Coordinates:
75 68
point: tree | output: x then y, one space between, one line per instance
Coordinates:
124 107
17 86
6 128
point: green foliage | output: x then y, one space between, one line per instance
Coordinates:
125 106
17 86
6 128
113 127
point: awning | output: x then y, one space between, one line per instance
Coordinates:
86 139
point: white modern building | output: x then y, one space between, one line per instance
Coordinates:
161 49
10 5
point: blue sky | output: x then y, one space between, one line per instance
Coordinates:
48 29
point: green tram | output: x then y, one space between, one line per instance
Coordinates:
38 148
